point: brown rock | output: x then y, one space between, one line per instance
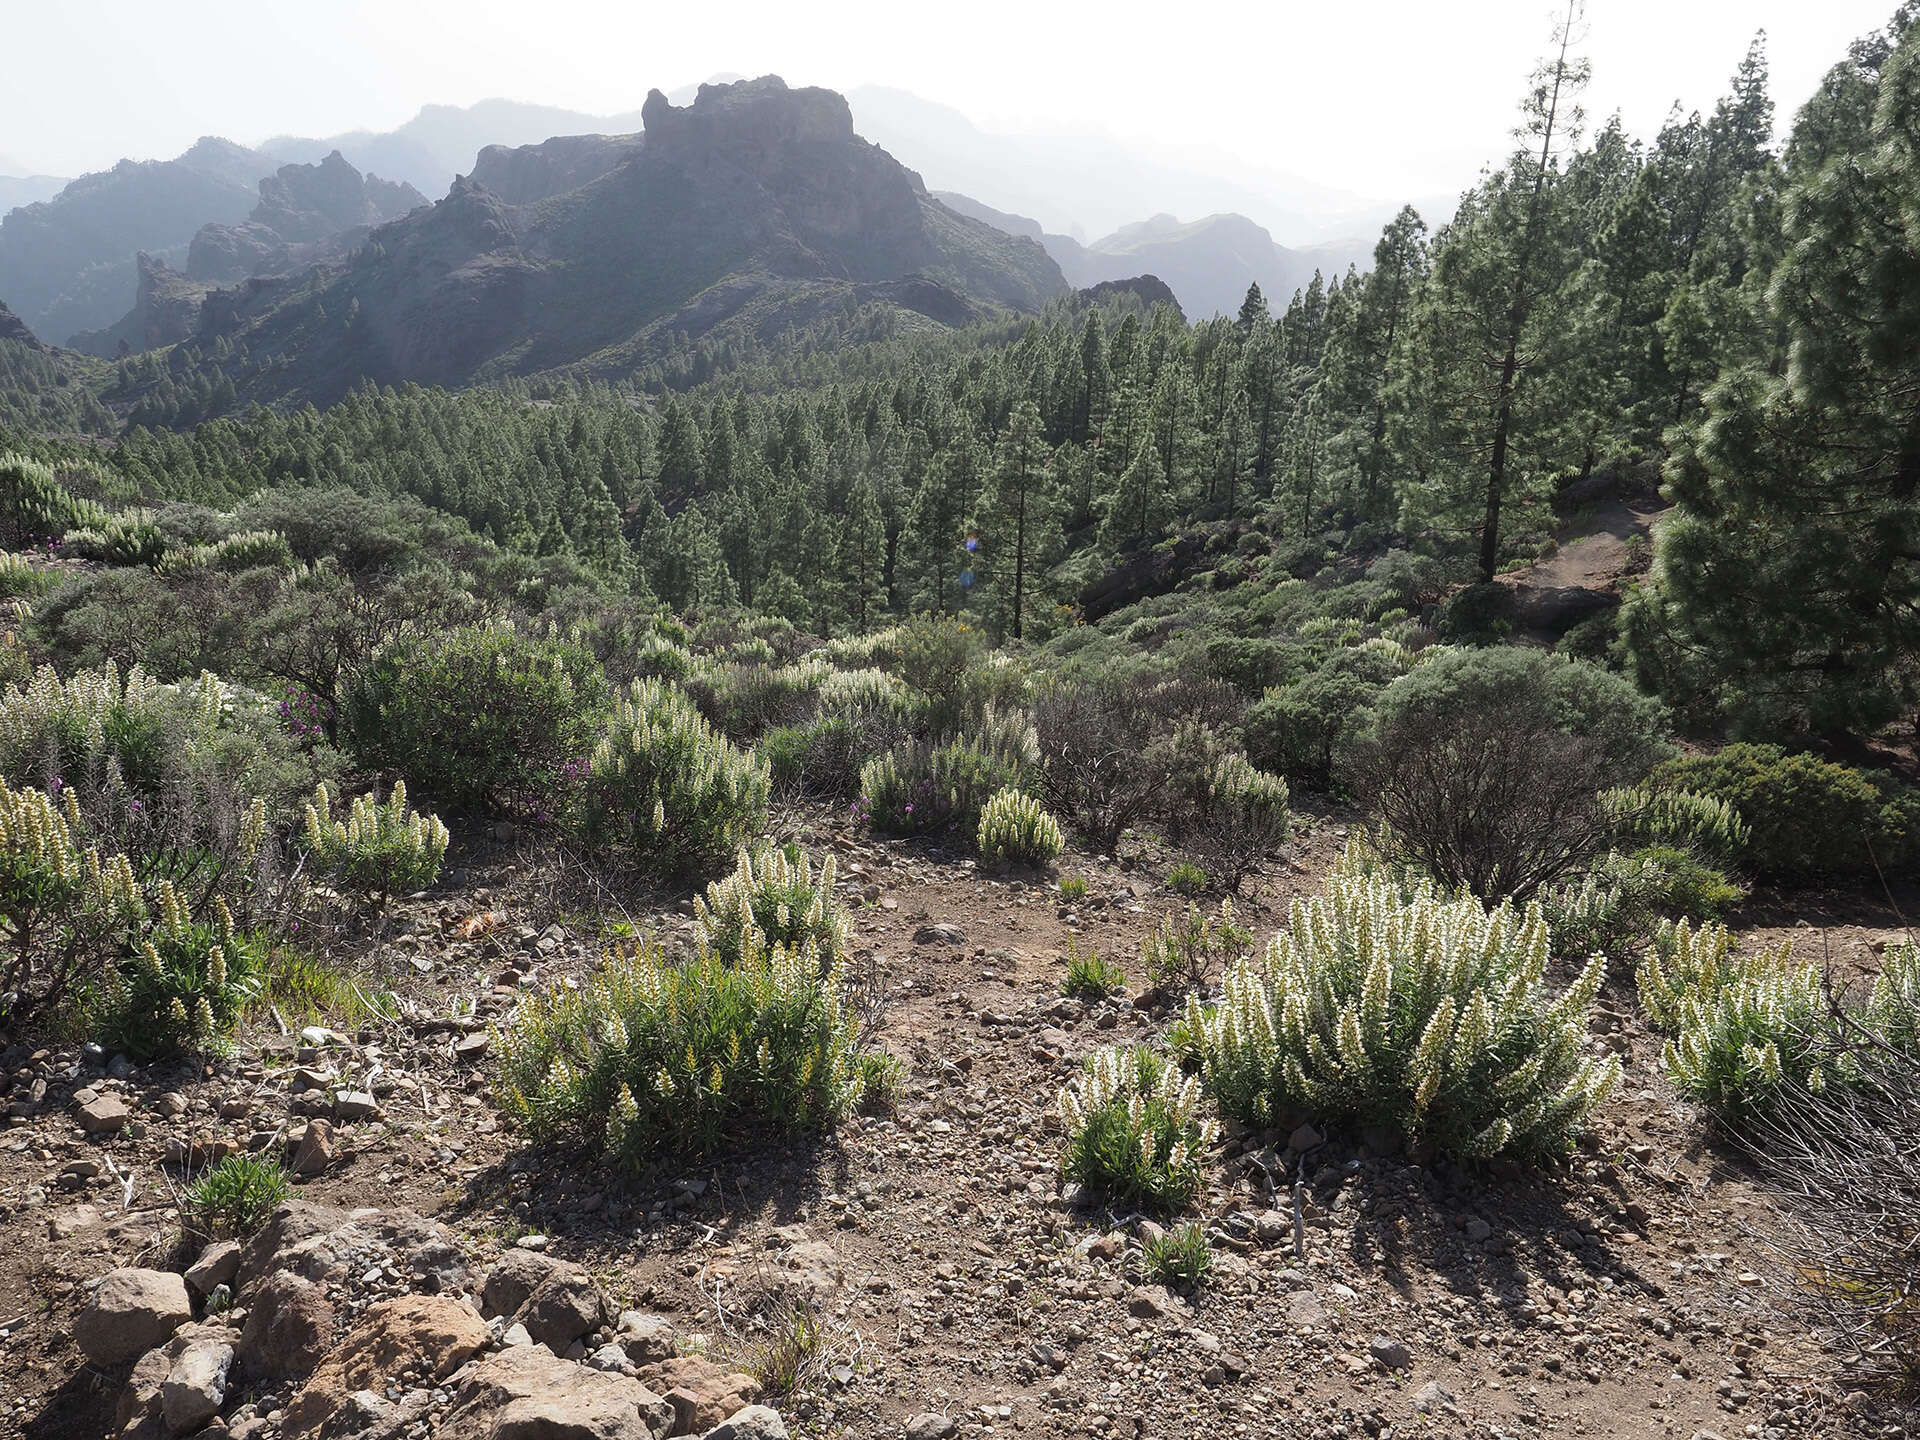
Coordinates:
527 1393
131 1312
562 1308
313 1152
290 1326
104 1116
515 1276
701 1392
431 1333
214 1268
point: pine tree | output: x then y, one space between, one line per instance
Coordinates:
1017 507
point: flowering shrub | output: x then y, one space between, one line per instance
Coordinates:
1015 829
129 538
918 789
379 850
54 730
1383 1004
35 507
183 987
651 1057
666 784
1134 1132
64 908
1678 817
777 897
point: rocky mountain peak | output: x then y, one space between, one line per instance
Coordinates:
761 118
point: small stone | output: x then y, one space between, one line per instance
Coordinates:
314 1150
1432 1397
106 1115
1478 1230
940 934
929 1425
355 1105
215 1267
1389 1353
1306 1308
471 1048
1305 1138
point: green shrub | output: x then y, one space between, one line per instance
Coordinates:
1186 878
1178 1258
62 732
1387 1005
666 785
651 1058
236 1197
1073 889
920 789
35 507
1806 816
1015 830
129 538
1234 817
21 579
480 718
778 897
1618 904
1686 962
1486 766
744 700
1736 1048
183 988
1089 977
1186 952
379 850
1133 1130
64 908
1678 817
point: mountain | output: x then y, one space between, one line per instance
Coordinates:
28 189
523 174
442 140
306 214
1208 264
753 209
67 264
13 328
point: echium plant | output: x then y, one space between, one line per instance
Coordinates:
653 1057
184 986
777 896
1134 1130
1383 1003
1013 828
381 849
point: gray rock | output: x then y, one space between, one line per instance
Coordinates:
1432 1397
612 1359
1478 1230
196 1386
1306 1308
1305 1138
565 1306
355 1104
940 934
646 1338
215 1267
929 1425
131 1312
515 1276
1389 1352
754 1422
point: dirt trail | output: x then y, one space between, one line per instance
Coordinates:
1594 554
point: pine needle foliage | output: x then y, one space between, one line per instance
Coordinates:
653 1059
1134 1130
1386 1004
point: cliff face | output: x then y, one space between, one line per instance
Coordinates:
67 264
306 213
592 250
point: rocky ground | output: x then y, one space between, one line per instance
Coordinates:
434 1277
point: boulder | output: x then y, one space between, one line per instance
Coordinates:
646 1338
131 1312
527 1393
755 1422
433 1334
701 1392
514 1276
290 1327
196 1385
565 1306
104 1116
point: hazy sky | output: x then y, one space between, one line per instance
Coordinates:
1387 98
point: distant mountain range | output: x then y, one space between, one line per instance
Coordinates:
754 209
71 266
28 189
1208 264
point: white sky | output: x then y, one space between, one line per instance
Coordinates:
1387 98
